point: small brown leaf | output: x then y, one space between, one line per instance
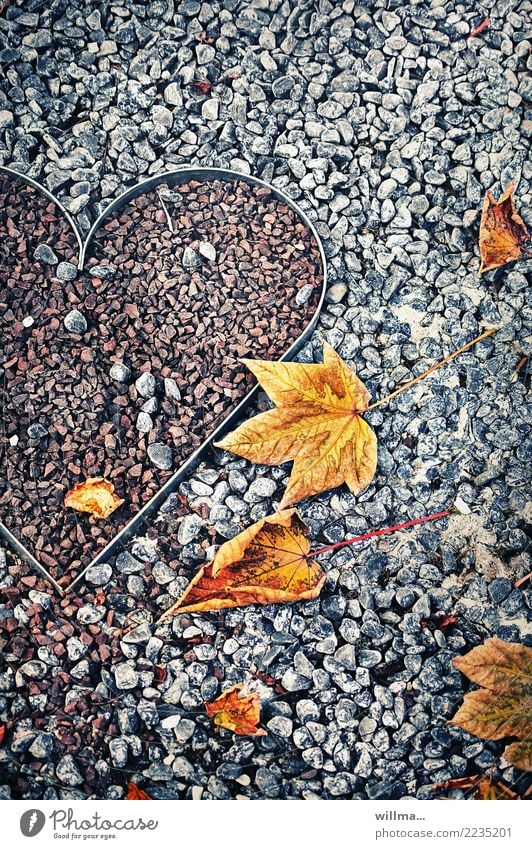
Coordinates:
502 231
237 712
266 563
134 793
95 496
503 707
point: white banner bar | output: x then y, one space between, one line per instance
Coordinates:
272 824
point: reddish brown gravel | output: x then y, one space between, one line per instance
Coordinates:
150 312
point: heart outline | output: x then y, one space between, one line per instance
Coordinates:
170 178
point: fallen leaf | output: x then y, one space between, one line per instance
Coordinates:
503 707
134 792
316 423
502 231
95 496
2 733
236 712
266 563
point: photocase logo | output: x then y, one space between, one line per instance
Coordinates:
32 822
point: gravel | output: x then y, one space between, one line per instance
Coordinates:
387 124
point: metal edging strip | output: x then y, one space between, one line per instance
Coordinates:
171 178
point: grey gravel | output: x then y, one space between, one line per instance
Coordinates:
75 322
387 124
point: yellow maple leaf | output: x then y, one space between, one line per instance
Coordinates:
236 711
502 231
503 707
266 563
316 423
95 496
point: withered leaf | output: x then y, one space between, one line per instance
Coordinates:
268 562
2 733
317 423
134 792
236 711
503 707
502 231
95 496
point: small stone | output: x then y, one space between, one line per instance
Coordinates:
34 669
42 746
366 728
125 677
210 109
28 321
75 322
208 251
118 749
37 431
336 293
103 272
188 529
90 613
150 406
499 589
368 658
281 725
171 389
120 372
160 455
172 95
6 118
67 771
205 53
346 655
304 295
190 258
99 575
267 782
44 253
75 649
145 384
144 422
66 271
259 489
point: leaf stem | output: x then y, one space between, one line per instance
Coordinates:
433 368
381 531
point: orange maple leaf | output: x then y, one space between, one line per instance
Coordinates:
502 231
503 705
134 792
236 712
95 496
316 423
268 562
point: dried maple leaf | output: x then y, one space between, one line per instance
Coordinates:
316 423
236 712
268 562
502 231
95 496
503 707
134 792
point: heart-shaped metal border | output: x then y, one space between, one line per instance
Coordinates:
171 178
